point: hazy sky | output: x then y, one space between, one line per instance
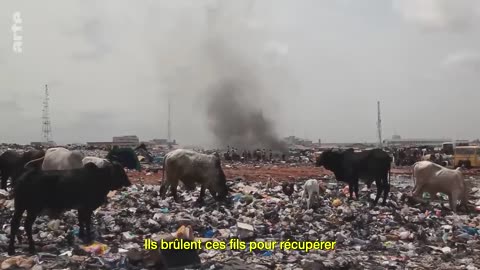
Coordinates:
323 66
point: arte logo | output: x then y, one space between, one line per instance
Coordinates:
17 29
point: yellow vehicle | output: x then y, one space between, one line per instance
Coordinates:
468 156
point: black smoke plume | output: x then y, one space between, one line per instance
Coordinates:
234 113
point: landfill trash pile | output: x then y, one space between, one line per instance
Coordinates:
396 236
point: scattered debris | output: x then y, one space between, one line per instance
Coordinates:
404 234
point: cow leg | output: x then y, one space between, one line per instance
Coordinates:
31 216
414 190
81 224
88 224
369 184
15 175
166 184
14 225
213 193
4 177
202 194
84 218
453 199
318 197
379 184
308 200
355 187
386 191
173 189
417 191
350 189
163 190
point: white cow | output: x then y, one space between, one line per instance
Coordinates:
100 162
311 188
191 168
433 178
60 158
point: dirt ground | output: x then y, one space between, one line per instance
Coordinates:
264 172
277 173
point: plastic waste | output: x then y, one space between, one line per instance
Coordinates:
96 248
470 230
185 232
267 254
336 202
209 234
366 237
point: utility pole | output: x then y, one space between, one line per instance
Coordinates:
379 126
46 124
169 127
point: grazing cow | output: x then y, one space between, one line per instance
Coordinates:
99 162
12 164
433 178
84 189
311 188
125 156
59 158
349 166
190 168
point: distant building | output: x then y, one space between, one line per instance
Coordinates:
415 142
100 144
160 141
131 141
126 141
292 140
307 143
462 142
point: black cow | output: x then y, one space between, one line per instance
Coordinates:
12 163
84 189
369 165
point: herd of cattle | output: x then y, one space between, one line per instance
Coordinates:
53 181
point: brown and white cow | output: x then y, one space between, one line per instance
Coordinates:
433 178
59 158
